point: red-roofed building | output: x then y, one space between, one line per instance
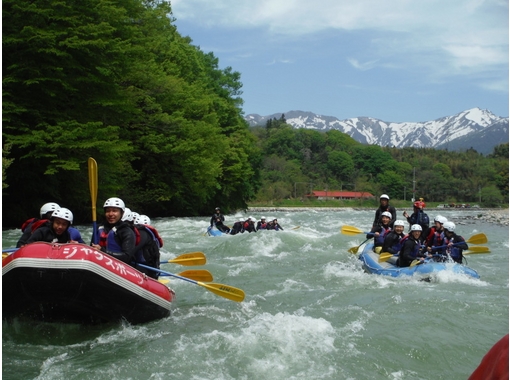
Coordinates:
340 195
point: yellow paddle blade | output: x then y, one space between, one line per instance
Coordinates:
474 250
198 275
296 228
353 250
189 259
226 291
414 263
480 238
164 281
4 255
350 230
385 256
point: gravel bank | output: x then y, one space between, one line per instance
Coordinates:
497 216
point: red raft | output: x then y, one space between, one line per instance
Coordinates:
77 284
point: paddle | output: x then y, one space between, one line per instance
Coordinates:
93 195
296 228
188 259
226 291
480 238
351 230
385 256
197 275
354 250
473 250
415 262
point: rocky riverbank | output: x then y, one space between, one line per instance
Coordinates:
494 216
497 216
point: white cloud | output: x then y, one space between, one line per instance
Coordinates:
361 66
436 37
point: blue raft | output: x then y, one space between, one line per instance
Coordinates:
372 265
213 231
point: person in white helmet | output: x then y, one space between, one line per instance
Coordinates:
261 224
392 240
148 244
384 205
436 232
379 232
456 243
249 225
34 223
55 230
237 227
412 247
116 236
27 227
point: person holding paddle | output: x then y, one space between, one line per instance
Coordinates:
116 236
392 240
455 243
379 232
411 248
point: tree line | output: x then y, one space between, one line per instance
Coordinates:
116 81
297 161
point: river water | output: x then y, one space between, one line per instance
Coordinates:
310 312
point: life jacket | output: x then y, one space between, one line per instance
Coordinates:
107 239
379 241
28 222
149 254
438 238
397 246
454 251
39 223
416 249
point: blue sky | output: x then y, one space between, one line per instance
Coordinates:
394 60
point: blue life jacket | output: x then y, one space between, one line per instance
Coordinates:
379 241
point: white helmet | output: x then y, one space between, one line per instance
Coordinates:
253 219
416 227
47 207
399 223
63 213
442 219
115 202
262 218
128 215
449 226
384 196
386 213
142 219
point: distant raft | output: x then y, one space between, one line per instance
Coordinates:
213 231
372 265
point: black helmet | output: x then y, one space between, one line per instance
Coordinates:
217 209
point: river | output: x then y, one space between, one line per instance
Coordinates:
310 312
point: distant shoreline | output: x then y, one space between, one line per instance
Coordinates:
491 215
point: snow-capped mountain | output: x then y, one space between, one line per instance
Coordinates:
476 128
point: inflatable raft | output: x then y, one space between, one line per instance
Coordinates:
76 283
372 265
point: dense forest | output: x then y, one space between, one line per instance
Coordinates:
298 160
114 80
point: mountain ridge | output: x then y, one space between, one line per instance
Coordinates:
480 129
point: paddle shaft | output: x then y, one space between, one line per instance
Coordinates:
93 185
229 292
